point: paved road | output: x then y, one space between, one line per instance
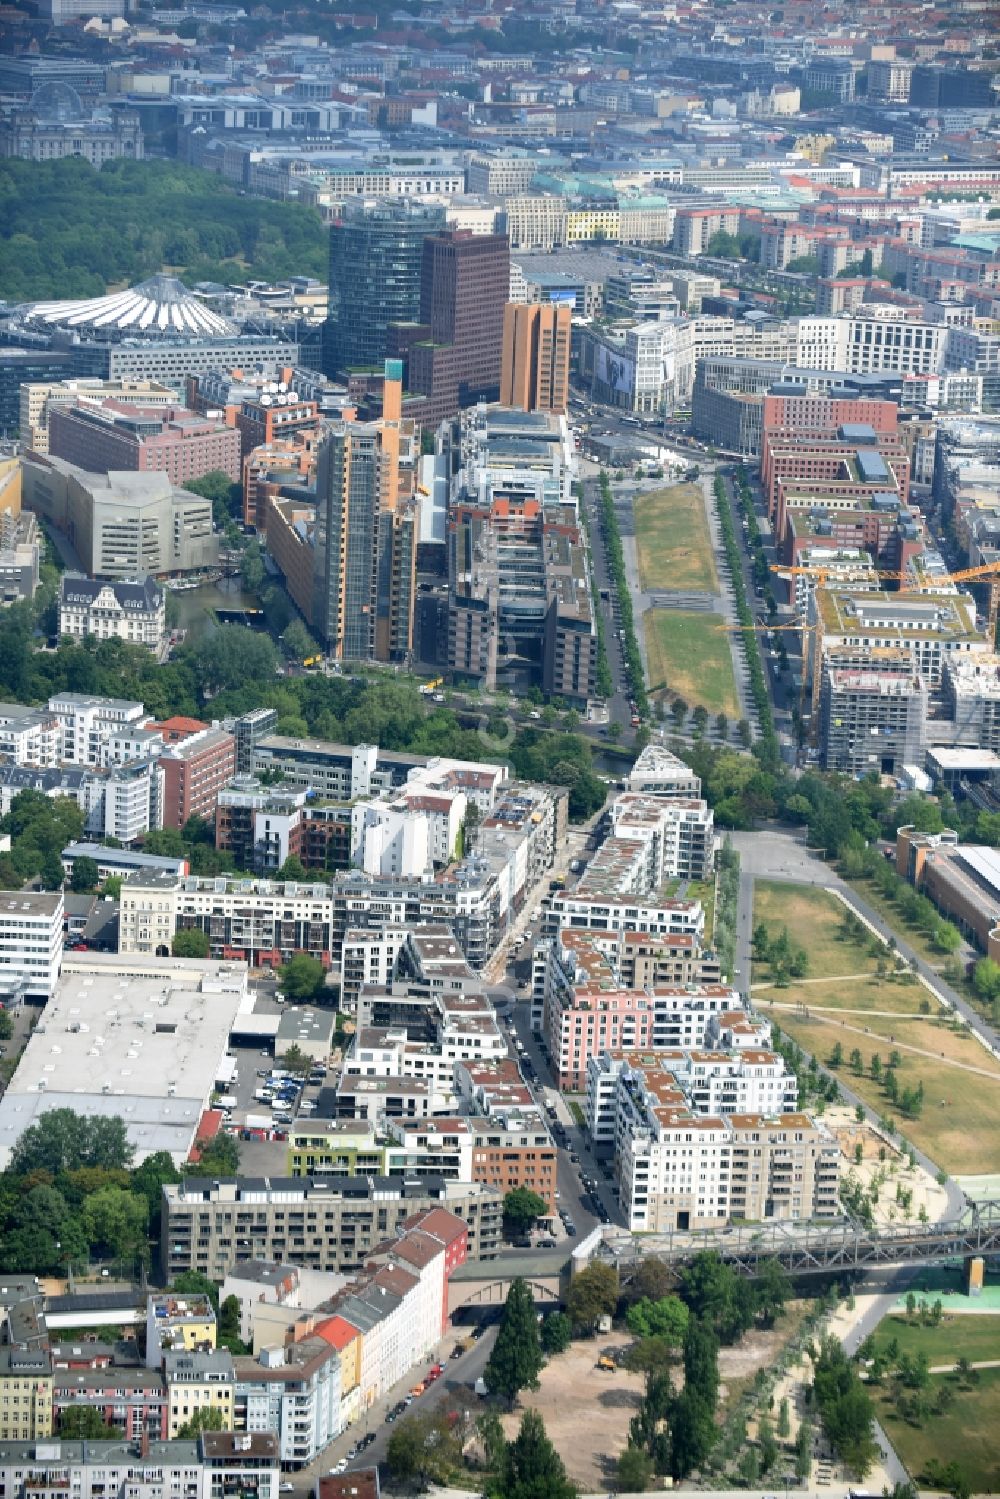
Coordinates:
458 1380
618 704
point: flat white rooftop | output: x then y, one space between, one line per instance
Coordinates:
132 1035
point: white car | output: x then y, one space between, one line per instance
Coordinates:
340 1467
534 713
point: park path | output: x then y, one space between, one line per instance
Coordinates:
986 1363
833 978
824 1015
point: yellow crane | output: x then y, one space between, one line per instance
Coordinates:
987 572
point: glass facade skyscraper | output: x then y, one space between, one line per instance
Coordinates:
376 254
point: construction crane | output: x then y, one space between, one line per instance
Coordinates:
989 571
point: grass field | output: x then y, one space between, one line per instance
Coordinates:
974 1338
691 655
968 1433
813 919
959 1125
672 540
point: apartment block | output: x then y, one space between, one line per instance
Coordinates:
111 434
194 772
38 398
25 1394
682 1162
259 922
217 1464
322 1225
196 1383
178 1324
132 1403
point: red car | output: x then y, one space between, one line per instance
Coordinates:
435 1372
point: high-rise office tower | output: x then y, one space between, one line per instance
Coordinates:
534 374
366 526
454 351
376 255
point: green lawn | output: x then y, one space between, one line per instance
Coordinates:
974 1337
959 1125
690 654
968 1433
672 539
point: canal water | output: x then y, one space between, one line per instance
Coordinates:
196 607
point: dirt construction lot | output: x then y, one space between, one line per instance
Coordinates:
586 1411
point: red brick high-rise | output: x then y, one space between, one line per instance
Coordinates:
454 353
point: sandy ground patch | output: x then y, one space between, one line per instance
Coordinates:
586 1411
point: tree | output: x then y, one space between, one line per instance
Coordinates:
768 1444
422 1449
219 1156
82 1423
711 1289
947 937
228 1333
296 1061
591 1295
650 1279
986 979
302 978
116 1221
62 1140
845 1407
772 1288
666 1318
532 1467
701 1362
692 1432
516 1360
293 869
784 1421
194 1283
635 1470
207 1418
836 1057
803 1451
556 1333
190 942
521 1208
84 878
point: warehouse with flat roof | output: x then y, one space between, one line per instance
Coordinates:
128 1035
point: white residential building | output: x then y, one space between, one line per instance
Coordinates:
260 1283
267 921
88 723
294 1391
219 1463
31 944
131 610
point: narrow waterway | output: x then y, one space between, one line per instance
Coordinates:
196 606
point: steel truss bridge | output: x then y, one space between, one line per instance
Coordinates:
824 1251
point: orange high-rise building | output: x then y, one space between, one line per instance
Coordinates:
534 372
